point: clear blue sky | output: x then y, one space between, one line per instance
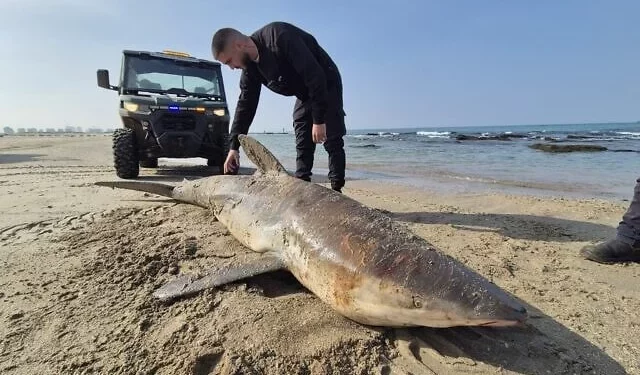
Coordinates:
404 63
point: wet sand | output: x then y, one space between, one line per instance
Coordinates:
80 263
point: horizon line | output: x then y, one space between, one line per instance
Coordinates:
14 128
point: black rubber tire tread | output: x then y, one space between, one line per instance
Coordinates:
223 141
125 155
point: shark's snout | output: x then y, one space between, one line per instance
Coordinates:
501 310
513 316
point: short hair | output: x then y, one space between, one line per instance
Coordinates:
222 38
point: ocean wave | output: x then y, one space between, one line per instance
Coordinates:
508 134
631 135
434 134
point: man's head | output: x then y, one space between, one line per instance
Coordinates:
232 48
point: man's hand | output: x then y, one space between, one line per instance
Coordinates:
319 133
232 164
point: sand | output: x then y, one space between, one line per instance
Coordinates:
79 264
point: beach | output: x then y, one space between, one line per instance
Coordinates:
80 263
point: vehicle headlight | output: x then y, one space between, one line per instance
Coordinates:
219 112
135 107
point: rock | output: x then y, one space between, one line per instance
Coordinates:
366 146
498 137
566 148
575 136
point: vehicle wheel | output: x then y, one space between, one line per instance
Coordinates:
217 162
223 141
149 163
125 153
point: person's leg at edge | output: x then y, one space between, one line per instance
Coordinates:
305 148
625 246
334 145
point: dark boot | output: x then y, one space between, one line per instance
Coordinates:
337 185
611 251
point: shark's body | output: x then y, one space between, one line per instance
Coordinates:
356 259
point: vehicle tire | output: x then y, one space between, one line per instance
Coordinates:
217 161
223 142
149 163
125 153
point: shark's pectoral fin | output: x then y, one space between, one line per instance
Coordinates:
188 285
260 156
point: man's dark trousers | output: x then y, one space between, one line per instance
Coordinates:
334 145
629 227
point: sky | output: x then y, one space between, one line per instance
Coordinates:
403 63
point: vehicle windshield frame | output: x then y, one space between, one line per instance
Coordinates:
175 76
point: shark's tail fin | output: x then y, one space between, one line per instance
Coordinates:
260 155
165 190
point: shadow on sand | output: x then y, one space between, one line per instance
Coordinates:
543 346
526 227
19 158
179 173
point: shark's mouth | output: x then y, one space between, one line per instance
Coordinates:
501 323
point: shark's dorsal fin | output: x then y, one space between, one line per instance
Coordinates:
260 155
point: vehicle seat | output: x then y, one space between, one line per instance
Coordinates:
146 84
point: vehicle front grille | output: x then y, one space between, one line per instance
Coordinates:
178 121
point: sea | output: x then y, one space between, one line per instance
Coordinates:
478 159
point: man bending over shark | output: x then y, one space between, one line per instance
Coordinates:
290 62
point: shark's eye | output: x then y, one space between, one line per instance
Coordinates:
417 302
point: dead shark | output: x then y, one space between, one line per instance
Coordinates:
356 259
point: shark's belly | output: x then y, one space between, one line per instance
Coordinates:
319 268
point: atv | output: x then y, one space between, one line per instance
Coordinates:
171 105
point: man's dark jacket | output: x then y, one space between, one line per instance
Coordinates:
290 63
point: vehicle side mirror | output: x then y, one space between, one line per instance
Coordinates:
103 80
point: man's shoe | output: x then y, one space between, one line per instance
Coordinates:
611 251
337 186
